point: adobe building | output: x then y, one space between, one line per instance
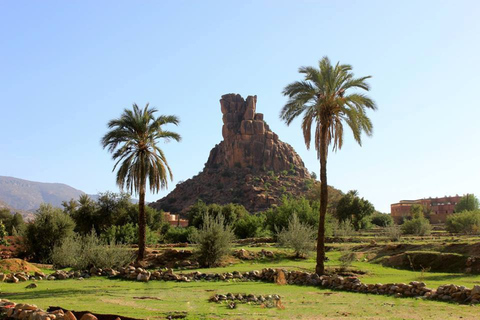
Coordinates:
174 220
437 208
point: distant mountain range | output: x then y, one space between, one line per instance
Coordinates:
28 195
25 196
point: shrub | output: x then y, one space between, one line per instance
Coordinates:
82 252
214 240
3 234
346 258
418 226
343 229
12 222
298 236
50 228
467 203
357 210
178 234
393 232
231 212
278 218
249 226
467 222
128 234
381 219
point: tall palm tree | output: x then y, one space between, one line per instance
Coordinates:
325 100
132 140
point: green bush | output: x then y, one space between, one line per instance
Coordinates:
343 229
3 234
467 203
419 226
12 222
231 212
298 236
278 218
347 258
249 226
381 219
357 210
467 222
83 252
128 234
49 229
178 235
214 240
393 232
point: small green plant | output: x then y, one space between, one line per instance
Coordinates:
179 235
271 173
346 258
298 236
466 222
3 234
393 232
284 173
343 229
82 252
381 219
293 170
249 226
49 229
418 226
214 240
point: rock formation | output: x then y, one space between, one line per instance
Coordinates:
249 142
251 166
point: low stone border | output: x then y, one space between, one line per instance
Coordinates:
23 311
449 292
245 298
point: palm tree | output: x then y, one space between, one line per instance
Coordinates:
132 140
323 100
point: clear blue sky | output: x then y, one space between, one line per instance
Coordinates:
67 67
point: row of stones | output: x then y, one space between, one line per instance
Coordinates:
451 292
245 298
22 311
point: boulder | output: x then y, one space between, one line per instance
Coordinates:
88 316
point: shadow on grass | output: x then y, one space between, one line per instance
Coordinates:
446 277
48 293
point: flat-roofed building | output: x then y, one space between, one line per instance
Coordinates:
438 208
175 220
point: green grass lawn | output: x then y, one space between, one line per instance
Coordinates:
375 273
123 297
158 299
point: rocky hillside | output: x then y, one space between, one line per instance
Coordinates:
251 166
28 195
27 215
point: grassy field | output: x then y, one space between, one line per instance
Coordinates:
158 299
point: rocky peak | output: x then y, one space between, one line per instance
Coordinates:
248 140
251 166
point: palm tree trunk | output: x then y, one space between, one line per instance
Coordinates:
142 222
320 268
